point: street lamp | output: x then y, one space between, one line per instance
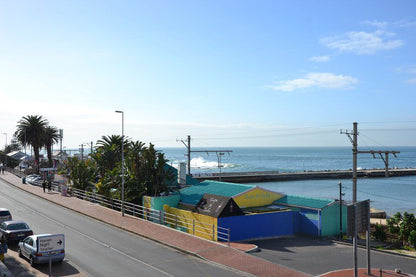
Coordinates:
122 162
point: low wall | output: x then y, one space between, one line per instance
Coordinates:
258 226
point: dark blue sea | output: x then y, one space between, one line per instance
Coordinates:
394 194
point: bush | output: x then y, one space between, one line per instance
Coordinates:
379 233
412 238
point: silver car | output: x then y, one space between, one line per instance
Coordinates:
5 215
29 248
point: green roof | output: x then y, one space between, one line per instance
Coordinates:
304 202
192 194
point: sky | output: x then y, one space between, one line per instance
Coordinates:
227 73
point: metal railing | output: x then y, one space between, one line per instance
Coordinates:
191 226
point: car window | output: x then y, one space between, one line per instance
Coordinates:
4 213
17 226
26 240
2 226
30 242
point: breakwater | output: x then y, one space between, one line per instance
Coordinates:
270 176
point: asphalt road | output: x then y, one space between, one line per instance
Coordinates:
94 248
318 256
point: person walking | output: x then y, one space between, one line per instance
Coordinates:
49 185
44 185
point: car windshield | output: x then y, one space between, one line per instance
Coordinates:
4 213
17 226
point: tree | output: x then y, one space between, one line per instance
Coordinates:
402 225
108 153
81 173
51 136
31 130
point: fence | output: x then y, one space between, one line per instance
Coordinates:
191 226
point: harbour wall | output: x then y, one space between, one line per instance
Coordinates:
271 176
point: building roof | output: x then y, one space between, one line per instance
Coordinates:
304 202
192 194
218 206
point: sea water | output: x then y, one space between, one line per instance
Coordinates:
394 194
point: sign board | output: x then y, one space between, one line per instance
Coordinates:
49 243
362 215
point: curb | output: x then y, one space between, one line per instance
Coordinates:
375 249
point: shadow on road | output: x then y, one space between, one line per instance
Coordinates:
283 244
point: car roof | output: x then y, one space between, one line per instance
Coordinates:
38 235
8 222
3 209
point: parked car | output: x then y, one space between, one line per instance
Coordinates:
29 248
14 231
5 215
33 178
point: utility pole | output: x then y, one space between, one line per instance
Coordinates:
355 151
189 151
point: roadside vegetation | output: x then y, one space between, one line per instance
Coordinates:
400 231
145 169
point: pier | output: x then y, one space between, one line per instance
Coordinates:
271 176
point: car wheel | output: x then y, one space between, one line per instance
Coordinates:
32 261
19 250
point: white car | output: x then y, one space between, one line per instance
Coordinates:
31 248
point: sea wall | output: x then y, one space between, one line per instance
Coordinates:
269 176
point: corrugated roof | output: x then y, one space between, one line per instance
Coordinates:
301 201
193 194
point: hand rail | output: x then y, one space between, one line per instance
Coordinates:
198 228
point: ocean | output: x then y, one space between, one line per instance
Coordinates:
394 194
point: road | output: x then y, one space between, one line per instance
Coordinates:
94 248
318 256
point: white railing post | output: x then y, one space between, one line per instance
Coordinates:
193 227
213 232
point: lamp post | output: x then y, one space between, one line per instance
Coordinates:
122 162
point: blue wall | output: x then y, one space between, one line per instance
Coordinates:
308 222
259 225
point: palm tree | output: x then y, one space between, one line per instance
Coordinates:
51 137
31 130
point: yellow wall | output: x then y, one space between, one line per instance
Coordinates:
256 198
203 223
147 202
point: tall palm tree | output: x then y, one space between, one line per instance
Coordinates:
31 130
51 137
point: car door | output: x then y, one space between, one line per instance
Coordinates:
2 229
27 247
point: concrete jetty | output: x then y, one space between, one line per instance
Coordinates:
269 176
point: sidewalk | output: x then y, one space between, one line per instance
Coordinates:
230 256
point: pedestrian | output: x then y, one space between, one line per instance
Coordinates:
49 185
44 185
3 250
1 168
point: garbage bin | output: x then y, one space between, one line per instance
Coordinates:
23 180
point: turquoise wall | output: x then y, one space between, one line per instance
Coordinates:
171 200
330 220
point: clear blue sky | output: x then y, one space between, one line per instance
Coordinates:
228 73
